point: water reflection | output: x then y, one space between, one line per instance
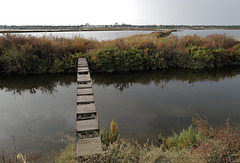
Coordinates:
122 81
44 83
143 104
148 103
36 107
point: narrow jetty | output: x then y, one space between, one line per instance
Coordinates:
88 140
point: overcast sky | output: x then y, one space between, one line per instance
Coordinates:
138 12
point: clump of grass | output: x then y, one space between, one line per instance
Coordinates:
185 139
67 155
111 136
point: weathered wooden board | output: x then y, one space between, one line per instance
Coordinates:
83 76
83 71
82 59
82 65
82 86
87 125
85 99
86 109
88 146
86 91
83 68
84 79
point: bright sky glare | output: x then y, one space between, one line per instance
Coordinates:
107 12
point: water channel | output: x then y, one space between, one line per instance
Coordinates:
35 109
143 104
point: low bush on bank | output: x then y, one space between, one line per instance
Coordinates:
148 52
201 142
28 54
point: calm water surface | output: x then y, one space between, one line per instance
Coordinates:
143 104
34 109
229 32
98 35
111 35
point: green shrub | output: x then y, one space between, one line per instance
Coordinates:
111 136
185 139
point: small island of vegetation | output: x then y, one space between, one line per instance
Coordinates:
21 54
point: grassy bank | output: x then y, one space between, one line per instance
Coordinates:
149 52
201 142
27 54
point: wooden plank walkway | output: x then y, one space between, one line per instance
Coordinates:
85 91
89 145
88 140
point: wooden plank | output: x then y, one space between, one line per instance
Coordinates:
83 68
83 76
88 146
80 71
86 67
85 99
86 109
84 79
82 64
82 86
86 91
87 125
82 59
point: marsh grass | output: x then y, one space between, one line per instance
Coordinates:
23 54
201 142
149 52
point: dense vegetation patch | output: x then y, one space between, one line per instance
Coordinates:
28 54
201 142
149 52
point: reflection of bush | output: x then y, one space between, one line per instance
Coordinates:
44 83
123 81
47 83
